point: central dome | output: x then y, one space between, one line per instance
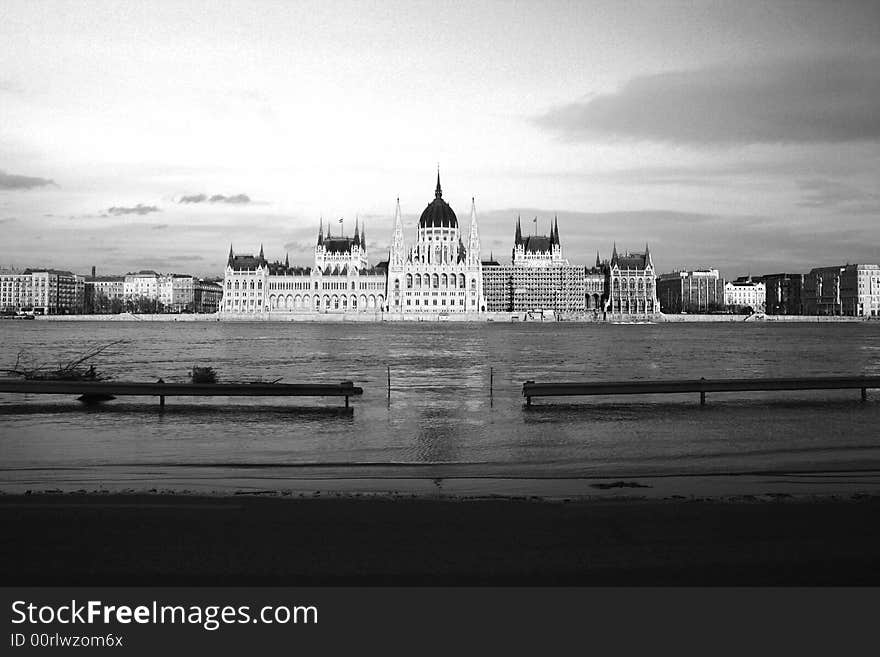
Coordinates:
438 214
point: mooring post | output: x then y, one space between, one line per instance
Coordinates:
702 392
389 383
491 380
864 394
161 398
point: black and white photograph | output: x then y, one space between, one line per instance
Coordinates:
414 294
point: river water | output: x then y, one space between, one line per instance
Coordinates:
441 423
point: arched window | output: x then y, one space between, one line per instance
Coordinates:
473 285
259 285
418 280
435 281
461 281
236 285
252 285
228 285
409 280
445 281
396 283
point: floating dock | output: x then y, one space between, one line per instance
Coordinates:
702 386
103 390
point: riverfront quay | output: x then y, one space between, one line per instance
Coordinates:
368 317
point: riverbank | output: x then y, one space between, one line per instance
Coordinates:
163 540
495 317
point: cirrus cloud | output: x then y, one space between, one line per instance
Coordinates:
830 100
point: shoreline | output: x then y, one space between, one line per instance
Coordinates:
279 482
484 318
111 539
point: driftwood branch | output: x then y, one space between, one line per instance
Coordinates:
73 370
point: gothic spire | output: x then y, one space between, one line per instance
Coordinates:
396 254
598 263
321 232
262 257
517 240
438 192
357 239
614 255
287 261
473 251
229 261
555 230
364 235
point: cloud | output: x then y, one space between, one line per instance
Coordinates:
138 209
822 193
831 100
12 181
195 198
216 198
8 220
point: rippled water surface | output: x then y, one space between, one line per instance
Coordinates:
441 419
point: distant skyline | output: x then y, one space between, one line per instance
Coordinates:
743 136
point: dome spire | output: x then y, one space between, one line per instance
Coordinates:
438 192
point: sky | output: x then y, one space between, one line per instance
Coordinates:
743 136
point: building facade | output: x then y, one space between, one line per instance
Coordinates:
105 294
539 279
175 293
341 281
207 296
632 289
744 293
16 291
698 291
784 294
851 290
440 274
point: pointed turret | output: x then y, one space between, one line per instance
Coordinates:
517 240
438 192
598 262
357 238
262 257
648 261
287 261
231 256
364 235
398 248
321 232
474 238
614 255
555 239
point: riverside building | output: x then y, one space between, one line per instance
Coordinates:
439 274
540 279
784 294
632 289
745 292
851 290
697 291
341 281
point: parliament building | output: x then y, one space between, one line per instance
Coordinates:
441 275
